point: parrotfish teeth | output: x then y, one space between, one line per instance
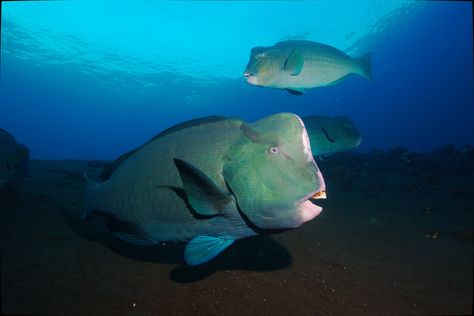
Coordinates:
319 195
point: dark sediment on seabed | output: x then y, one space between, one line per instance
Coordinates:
395 237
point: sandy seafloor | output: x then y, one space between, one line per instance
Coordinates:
391 240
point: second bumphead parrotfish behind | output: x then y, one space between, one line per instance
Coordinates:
211 181
299 65
330 135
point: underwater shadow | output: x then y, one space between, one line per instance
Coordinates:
260 253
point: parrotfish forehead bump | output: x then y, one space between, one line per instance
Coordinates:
259 68
307 209
257 50
255 55
305 140
302 143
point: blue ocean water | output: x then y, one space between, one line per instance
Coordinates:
83 81
94 79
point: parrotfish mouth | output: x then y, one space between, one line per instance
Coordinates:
252 79
309 210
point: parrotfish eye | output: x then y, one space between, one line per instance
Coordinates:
273 150
260 55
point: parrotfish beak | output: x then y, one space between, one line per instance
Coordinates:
308 209
319 195
252 79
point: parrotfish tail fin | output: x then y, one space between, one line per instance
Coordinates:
90 185
365 64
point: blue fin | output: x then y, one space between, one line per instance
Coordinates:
330 135
201 249
133 239
203 194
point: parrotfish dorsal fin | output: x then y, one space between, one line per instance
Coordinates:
203 194
110 168
294 63
188 124
201 249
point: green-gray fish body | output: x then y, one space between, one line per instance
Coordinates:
329 135
211 181
298 65
14 160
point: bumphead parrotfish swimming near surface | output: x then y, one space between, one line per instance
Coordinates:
211 181
329 135
298 65
14 160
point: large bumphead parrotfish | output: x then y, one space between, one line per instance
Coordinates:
14 160
298 65
330 135
211 181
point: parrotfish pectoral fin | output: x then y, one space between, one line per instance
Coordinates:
203 194
330 135
133 239
201 249
294 63
295 91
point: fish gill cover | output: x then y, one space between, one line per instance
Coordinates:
95 79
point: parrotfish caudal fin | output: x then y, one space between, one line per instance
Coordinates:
90 185
365 64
